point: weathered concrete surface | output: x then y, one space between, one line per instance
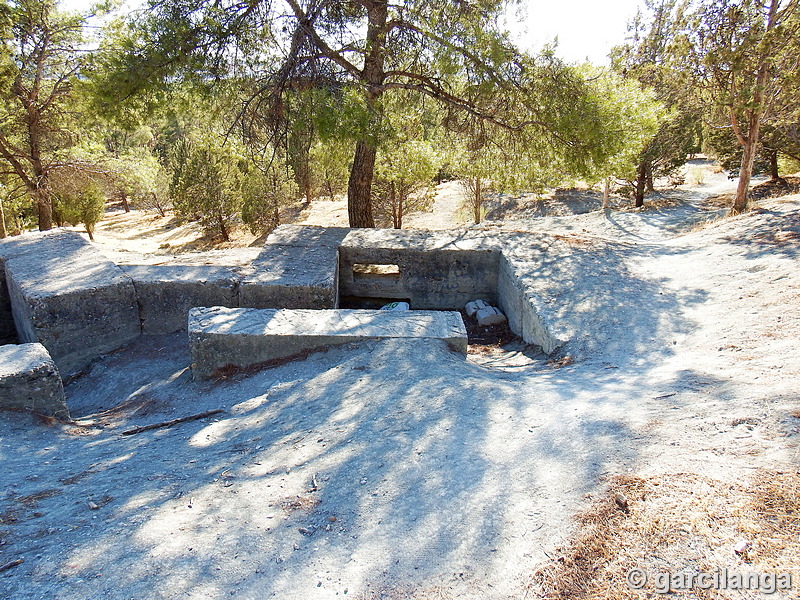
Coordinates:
8 333
437 270
166 293
70 298
223 338
306 236
9 247
519 306
29 380
291 276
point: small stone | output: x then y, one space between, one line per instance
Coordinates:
742 547
621 501
332 519
305 530
93 505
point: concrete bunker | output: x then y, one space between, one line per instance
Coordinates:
58 290
438 270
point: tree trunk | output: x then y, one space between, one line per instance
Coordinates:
641 178
397 206
90 231
3 231
157 204
359 187
774 173
125 202
477 201
745 172
222 229
44 208
307 187
648 178
749 141
606 192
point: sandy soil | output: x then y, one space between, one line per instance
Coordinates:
398 470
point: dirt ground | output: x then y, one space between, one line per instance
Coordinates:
662 437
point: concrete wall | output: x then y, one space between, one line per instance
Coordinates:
519 307
8 333
291 277
60 291
71 299
166 293
437 270
297 268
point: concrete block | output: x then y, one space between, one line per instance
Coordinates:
68 297
288 276
489 315
29 380
222 337
472 307
166 293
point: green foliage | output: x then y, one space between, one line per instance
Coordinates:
330 162
404 180
40 62
627 118
85 205
742 55
206 183
263 194
648 57
293 82
138 174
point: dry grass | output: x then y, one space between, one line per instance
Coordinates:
304 503
677 523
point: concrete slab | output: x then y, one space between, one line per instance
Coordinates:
221 338
166 293
289 276
70 298
29 380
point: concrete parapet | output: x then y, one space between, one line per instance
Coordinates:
221 338
70 298
289 276
166 293
432 270
29 380
519 306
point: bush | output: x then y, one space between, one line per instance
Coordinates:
85 206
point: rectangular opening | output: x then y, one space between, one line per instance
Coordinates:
376 271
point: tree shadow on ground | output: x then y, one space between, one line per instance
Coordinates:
382 466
